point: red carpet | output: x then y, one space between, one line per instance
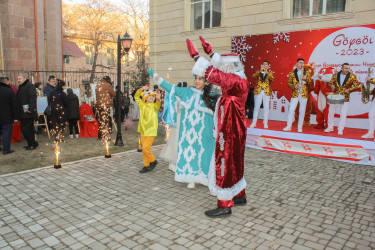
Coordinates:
349 133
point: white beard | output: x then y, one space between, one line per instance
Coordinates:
234 68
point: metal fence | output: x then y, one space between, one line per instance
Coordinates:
73 79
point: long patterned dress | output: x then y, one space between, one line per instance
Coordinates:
196 143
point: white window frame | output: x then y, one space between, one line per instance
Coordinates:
203 17
89 51
111 57
311 5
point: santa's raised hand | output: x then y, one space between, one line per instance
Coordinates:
192 50
206 46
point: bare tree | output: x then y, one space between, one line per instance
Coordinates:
95 22
136 15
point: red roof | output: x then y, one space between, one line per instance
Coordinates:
72 49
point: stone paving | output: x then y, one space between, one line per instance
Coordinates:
294 202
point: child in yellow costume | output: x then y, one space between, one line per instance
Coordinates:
148 123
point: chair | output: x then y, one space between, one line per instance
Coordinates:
45 123
88 128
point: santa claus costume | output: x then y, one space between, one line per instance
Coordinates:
322 90
226 175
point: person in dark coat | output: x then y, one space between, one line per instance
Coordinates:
7 82
58 102
122 106
72 113
8 112
50 87
47 91
26 105
126 104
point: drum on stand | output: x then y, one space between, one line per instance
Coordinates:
335 99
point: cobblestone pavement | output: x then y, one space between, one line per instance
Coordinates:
294 202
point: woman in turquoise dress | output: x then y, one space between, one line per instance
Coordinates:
196 142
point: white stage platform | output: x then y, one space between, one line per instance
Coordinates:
330 147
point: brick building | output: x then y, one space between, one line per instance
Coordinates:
31 35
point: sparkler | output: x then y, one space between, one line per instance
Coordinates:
107 155
57 153
167 134
167 128
105 117
139 145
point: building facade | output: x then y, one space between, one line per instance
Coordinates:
172 22
31 35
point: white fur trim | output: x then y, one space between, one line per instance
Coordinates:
155 75
229 193
212 176
215 116
210 73
200 66
212 170
160 80
241 74
215 60
230 59
201 178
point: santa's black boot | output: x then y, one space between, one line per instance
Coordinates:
240 201
219 212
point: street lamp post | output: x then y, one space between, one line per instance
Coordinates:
122 43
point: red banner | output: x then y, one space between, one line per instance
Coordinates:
325 47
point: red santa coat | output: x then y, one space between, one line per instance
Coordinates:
230 124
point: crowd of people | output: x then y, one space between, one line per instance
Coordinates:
19 104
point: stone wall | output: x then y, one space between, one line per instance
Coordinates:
18 34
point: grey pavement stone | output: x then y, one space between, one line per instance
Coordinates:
157 246
51 241
129 243
294 202
34 243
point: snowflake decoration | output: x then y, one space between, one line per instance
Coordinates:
281 36
240 47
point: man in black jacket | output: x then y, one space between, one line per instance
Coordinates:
26 101
8 111
50 87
